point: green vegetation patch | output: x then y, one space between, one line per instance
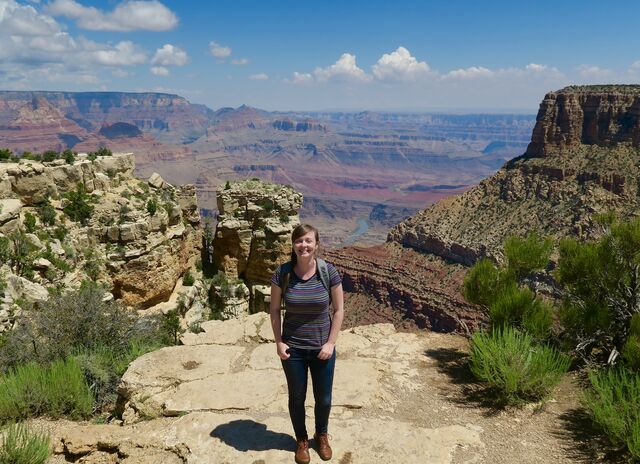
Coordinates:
20 444
614 404
56 390
514 366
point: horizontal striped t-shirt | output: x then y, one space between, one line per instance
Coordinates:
307 321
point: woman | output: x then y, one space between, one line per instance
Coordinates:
308 337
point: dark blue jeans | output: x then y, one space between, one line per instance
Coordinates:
295 369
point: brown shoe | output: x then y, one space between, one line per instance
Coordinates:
322 445
302 451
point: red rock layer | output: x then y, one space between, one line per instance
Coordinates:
422 287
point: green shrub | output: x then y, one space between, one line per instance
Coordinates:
5 154
599 282
227 185
519 307
171 327
482 282
152 206
188 279
70 323
614 404
69 156
49 155
78 205
29 222
631 349
103 368
60 232
32 390
22 445
47 213
514 366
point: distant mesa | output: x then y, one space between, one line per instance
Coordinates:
603 115
302 126
120 130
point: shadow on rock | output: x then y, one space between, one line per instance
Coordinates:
247 435
465 391
584 442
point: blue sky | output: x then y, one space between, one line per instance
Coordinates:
459 56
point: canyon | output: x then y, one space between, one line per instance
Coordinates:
377 168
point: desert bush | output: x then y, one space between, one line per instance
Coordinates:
78 204
514 366
32 390
20 444
600 285
614 404
69 156
171 327
5 154
69 323
103 368
527 254
188 279
29 222
483 281
631 349
47 213
50 155
152 206
519 307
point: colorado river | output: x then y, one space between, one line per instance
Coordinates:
363 226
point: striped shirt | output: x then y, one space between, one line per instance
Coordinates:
307 321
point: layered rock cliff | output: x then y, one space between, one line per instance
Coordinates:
252 237
582 161
62 223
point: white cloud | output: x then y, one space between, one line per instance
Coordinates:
635 65
469 73
399 66
259 77
219 51
35 49
24 20
170 55
300 78
240 62
125 53
159 71
127 16
591 73
344 69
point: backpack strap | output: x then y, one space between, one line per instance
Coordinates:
285 275
323 270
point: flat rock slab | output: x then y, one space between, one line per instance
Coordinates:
176 364
214 438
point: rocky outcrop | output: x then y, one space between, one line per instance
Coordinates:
424 289
581 163
602 115
136 238
254 229
253 234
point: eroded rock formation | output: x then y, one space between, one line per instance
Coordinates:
252 237
582 161
138 239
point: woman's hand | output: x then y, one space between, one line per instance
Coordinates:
282 348
326 351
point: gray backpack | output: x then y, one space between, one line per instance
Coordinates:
286 270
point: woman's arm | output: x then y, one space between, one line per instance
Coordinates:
276 322
337 301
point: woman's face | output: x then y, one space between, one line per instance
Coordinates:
305 246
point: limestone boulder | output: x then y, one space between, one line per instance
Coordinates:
21 288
